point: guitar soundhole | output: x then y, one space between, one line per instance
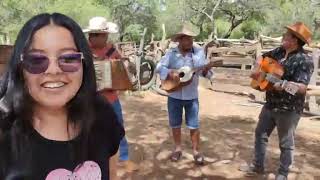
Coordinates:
181 74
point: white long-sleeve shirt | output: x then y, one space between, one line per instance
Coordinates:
173 59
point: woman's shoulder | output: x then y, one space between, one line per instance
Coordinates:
106 128
103 110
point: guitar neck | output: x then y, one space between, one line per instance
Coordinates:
211 64
199 68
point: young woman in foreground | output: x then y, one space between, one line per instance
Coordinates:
52 123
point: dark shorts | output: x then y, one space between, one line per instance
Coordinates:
175 111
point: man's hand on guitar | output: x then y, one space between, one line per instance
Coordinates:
255 75
278 86
173 75
289 87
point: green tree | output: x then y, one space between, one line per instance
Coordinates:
242 11
81 11
13 13
132 12
224 18
288 12
205 9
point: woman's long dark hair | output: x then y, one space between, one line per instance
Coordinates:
16 103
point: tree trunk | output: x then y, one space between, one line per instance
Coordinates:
214 31
164 34
232 27
140 54
200 30
121 37
210 37
163 43
228 34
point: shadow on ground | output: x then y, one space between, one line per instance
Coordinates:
227 142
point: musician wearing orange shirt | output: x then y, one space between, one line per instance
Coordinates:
285 101
98 32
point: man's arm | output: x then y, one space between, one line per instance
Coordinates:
206 72
302 77
112 52
163 66
302 88
117 55
255 70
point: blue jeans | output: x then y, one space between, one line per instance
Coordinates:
175 111
123 147
286 123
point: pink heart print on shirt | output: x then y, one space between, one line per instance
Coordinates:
89 170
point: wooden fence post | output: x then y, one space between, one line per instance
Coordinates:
311 100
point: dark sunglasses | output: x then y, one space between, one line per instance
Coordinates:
37 63
96 34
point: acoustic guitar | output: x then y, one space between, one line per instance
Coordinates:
269 73
185 76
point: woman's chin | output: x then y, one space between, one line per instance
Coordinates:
53 104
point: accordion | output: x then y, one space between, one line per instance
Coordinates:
112 75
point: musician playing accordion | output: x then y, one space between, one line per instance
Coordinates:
98 32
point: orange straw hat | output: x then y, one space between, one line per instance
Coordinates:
301 31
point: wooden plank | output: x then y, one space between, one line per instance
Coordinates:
243 66
234 60
258 52
240 50
124 43
313 93
238 40
311 98
267 38
232 71
309 113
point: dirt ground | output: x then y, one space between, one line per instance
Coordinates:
227 134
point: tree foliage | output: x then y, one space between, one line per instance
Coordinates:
221 18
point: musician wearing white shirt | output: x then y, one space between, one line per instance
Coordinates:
186 98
